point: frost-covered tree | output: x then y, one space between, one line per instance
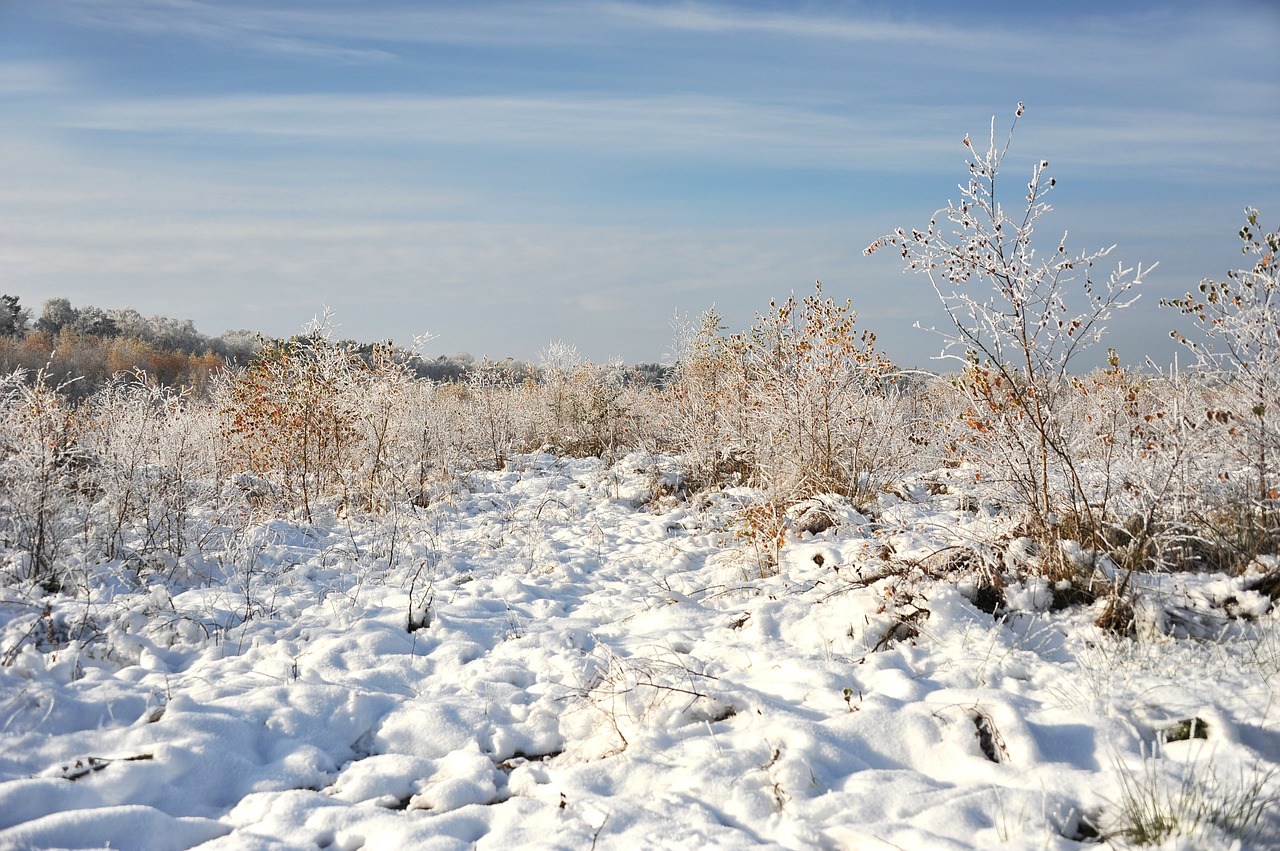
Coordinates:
177 335
239 346
94 322
56 314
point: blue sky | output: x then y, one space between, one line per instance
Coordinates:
508 174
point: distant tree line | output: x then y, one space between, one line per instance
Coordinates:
82 348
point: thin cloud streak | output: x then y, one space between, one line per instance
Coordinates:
255 26
310 32
718 129
19 79
226 26
709 18
877 137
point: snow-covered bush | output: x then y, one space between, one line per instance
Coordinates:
1147 456
809 375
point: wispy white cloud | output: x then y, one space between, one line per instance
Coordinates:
1111 100
1127 37
726 18
36 78
312 26
242 27
612 125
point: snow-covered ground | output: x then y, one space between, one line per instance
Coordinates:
595 664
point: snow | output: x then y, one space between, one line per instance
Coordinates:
594 666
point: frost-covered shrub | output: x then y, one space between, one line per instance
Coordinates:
801 403
808 375
1240 316
1144 454
1019 320
154 454
41 468
590 408
420 435
701 415
497 415
291 418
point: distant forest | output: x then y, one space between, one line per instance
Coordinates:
82 348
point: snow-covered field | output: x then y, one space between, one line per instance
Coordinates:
560 656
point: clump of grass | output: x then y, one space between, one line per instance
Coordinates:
1196 804
1260 649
